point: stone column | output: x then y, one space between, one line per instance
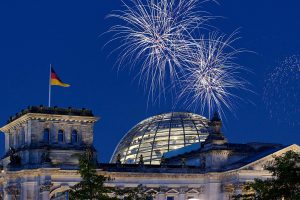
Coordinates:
183 193
45 190
214 192
29 126
201 191
181 196
7 142
22 135
15 145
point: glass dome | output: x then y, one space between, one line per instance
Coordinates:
159 134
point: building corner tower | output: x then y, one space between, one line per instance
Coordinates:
44 141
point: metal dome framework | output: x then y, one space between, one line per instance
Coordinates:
159 134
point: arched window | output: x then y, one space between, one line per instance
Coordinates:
46 136
61 136
74 137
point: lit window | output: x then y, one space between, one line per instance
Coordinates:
74 137
60 136
46 136
129 161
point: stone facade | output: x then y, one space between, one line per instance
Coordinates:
39 168
39 139
26 136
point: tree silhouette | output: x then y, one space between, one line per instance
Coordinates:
285 183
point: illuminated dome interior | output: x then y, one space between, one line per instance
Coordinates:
159 134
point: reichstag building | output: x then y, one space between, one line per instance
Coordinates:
184 156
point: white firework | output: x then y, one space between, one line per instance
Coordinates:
281 93
155 37
212 75
159 37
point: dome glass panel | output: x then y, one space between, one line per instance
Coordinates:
159 134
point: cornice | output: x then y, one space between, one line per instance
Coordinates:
209 175
39 172
48 117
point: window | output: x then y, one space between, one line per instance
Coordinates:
11 140
74 137
129 161
20 141
170 198
60 136
17 139
23 136
46 136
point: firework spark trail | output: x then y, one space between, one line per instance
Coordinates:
165 39
156 32
212 75
282 91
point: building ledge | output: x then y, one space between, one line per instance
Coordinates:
52 110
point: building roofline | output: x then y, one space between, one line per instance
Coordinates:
50 113
52 110
272 152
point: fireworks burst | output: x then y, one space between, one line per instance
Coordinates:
282 91
212 75
156 32
165 39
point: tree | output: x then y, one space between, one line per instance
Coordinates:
285 183
92 185
137 193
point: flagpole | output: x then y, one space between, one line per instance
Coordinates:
49 100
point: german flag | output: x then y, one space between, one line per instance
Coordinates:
55 80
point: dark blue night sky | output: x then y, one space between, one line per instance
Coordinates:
67 34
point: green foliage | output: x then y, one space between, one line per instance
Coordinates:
92 185
285 184
137 193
